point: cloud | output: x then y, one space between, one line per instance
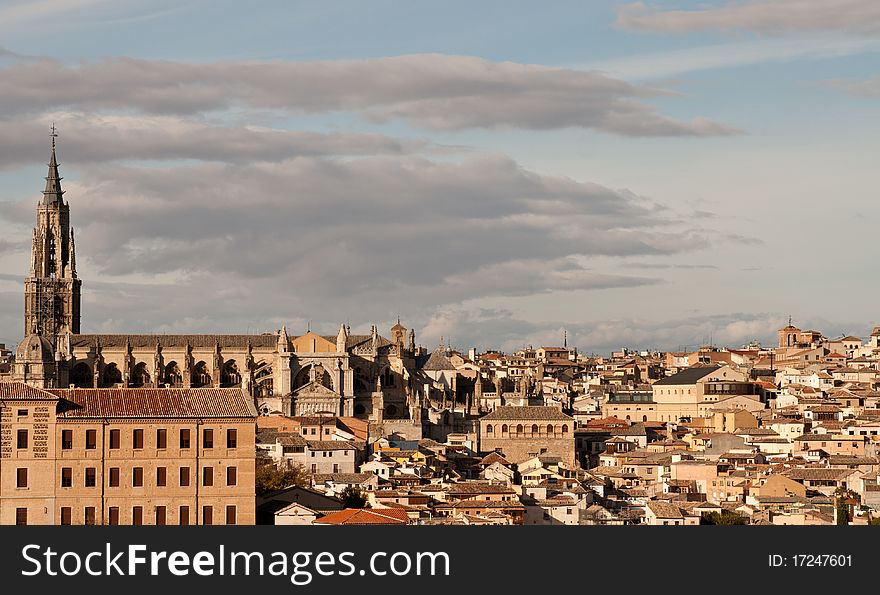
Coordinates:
743 52
356 238
467 328
860 17
96 138
858 88
431 91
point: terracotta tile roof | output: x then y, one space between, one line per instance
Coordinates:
365 516
536 413
196 341
19 390
156 402
664 510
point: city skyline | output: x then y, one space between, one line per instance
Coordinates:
631 175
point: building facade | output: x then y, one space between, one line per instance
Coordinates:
126 456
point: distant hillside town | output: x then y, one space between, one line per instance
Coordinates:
294 429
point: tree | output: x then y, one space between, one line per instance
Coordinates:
353 497
725 518
269 478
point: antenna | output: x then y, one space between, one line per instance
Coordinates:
54 134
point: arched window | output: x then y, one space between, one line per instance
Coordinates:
230 375
644 418
519 428
81 376
172 374
112 375
565 428
534 429
490 429
140 376
200 375
388 377
503 429
549 429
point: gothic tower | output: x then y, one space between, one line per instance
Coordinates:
51 289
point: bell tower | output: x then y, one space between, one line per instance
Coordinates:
52 289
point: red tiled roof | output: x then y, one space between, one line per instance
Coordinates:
365 516
157 402
19 390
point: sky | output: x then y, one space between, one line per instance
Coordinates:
497 174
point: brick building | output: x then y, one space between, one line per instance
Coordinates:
525 432
126 456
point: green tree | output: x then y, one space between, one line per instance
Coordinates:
353 497
725 518
269 478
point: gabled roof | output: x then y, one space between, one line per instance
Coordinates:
438 361
20 391
366 516
687 376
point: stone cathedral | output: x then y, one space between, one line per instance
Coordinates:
366 376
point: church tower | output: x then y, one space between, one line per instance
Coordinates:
51 289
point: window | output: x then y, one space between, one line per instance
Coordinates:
207 515
90 515
114 439
183 515
22 412
66 439
114 477
162 438
90 477
230 515
184 438
66 477
113 515
137 515
208 476
160 515
208 438
231 476
231 438
184 477
21 439
160 477
21 516
335 468
137 477
91 439
66 515
314 466
137 441
21 477
489 429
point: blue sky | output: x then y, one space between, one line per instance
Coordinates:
643 175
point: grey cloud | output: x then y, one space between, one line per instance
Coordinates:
431 90
471 327
860 17
351 238
859 88
89 138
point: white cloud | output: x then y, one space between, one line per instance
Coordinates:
860 17
430 91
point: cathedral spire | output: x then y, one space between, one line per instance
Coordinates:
53 192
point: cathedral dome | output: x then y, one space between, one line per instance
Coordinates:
35 348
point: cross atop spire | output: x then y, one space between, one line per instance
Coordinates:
53 192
